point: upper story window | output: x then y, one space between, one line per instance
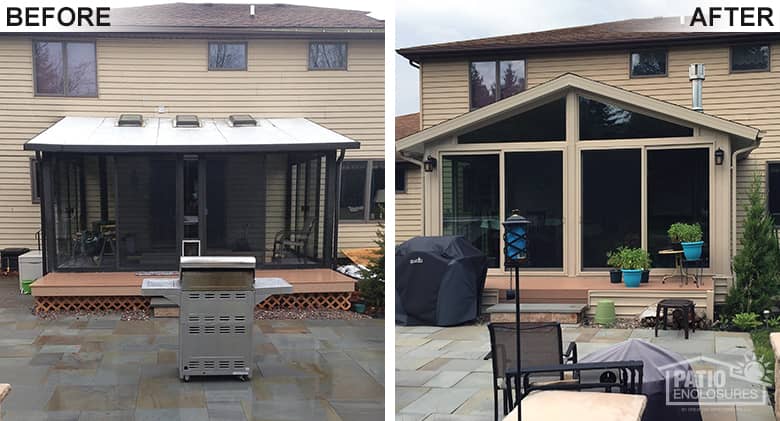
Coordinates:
648 63
490 81
65 68
328 56
227 56
749 58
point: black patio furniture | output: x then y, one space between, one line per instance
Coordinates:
687 309
541 346
289 241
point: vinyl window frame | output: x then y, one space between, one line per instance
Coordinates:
497 62
223 69
759 44
63 44
322 69
631 53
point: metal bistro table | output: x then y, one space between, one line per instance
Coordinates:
216 298
678 267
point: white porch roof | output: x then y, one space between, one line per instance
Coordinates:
102 134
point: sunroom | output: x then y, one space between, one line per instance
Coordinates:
133 194
593 167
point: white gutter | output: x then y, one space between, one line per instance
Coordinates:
733 170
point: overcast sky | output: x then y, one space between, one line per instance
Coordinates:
426 22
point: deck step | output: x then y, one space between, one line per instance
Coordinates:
538 312
163 307
489 299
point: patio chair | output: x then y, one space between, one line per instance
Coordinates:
541 344
293 241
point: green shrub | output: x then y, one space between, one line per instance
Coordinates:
634 258
773 322
372 284
757 262
746 321
687 233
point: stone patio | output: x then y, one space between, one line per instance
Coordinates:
441 374
101 368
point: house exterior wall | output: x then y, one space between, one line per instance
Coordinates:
747 98
138 75
408 205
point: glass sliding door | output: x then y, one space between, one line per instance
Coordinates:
534 186
678 190
611 203
470 201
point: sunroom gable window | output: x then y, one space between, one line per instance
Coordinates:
600 120
544 123
490 81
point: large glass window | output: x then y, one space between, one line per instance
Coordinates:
65 68
648 63
356 202
599 120
676 196
611 203
534 186
470 199
773 190
543 123
494 80
750 58
328 56
227 56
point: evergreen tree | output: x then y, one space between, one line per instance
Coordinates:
372 283
757 263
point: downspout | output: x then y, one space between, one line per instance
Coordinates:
336 208
419 164
733 169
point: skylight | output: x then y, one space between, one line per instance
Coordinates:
242 120
130 120
187 120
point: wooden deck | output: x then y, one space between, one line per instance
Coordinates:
86 284
591 289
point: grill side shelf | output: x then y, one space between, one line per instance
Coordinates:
265 287
162 287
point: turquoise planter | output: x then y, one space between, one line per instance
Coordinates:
632 277
692 250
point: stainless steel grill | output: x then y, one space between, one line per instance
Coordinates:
216 298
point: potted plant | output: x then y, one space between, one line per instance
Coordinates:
646 268
633 262
614 261
689 236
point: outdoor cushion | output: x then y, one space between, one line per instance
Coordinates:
554 405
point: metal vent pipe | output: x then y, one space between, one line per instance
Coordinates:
696 76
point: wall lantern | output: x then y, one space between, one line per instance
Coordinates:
719 155
429 164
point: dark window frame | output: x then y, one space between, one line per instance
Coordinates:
768 188
63 44
631 53
760 44
366 193
317 69
225 69
35 186
497 62
401 170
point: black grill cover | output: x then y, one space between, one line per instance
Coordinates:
439 281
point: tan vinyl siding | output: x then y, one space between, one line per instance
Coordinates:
408 205
747 98
138 75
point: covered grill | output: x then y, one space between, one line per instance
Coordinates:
216 298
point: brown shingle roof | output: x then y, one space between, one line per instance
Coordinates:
406 125
216 16
624 32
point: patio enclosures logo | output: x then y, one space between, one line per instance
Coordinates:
715 382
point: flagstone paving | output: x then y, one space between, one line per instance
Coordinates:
441 374
102 368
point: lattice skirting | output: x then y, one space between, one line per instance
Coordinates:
327 300
97 303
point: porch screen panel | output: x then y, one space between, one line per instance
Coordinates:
611 203
678 190
83 213
534 186
234 199
147 213
470 201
